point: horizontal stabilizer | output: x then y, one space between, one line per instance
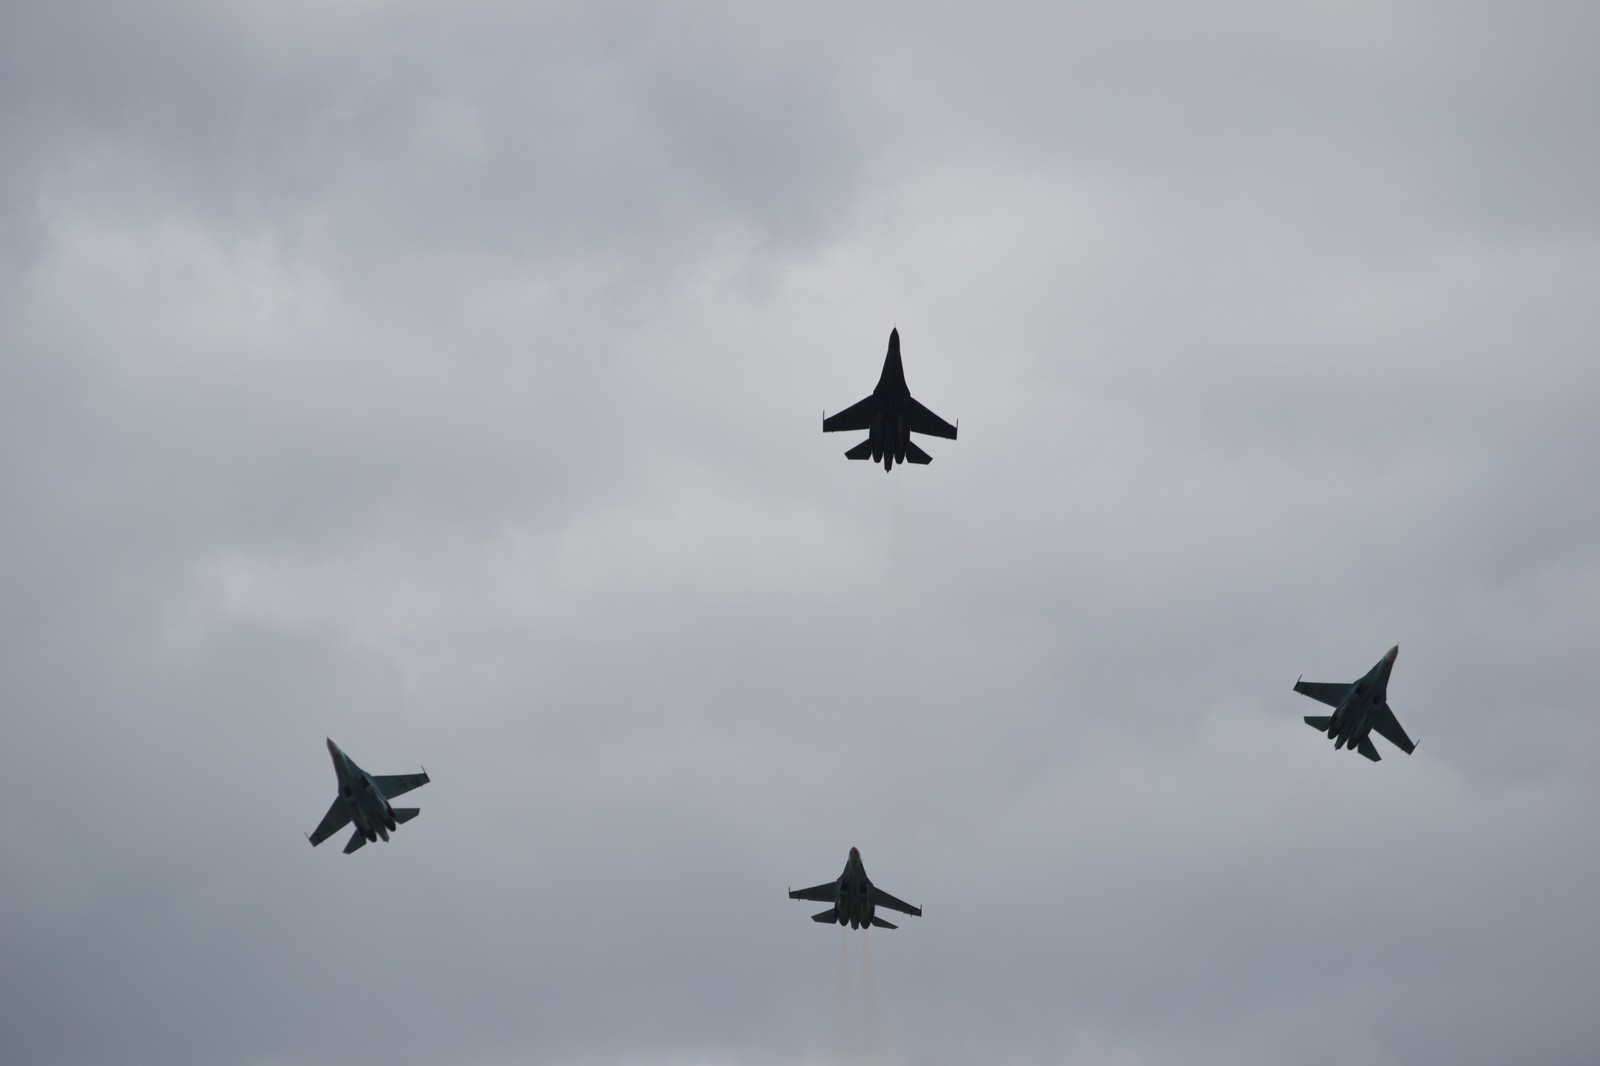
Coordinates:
357 840
829 915
860 451
1366 748
1319 722
881 924
405 814
916 455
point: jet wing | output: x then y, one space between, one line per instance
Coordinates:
1322 691
828 893
925 421
883 899
337 818
1388 727
856 416
394 785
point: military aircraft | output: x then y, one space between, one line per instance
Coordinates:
854 898
364 800
1359 708
890 416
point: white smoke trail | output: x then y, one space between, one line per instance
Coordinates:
870 1051
844 1036
894 563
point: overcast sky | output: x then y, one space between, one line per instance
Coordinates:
446 379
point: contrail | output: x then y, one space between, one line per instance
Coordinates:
869 1002
843 1027
894 565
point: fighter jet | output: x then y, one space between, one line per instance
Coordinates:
890 416
854 898
1359 708
364 800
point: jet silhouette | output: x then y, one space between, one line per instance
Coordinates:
1359 707
890 415
854 898
364 800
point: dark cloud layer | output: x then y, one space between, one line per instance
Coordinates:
447 382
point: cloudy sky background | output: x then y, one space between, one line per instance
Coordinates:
446 379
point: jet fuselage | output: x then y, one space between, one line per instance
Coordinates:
369 810
856 906
890 431
1352 719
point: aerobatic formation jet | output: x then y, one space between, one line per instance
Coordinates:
890 416
854 898
1358 708
364 800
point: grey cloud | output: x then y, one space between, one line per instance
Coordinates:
449 384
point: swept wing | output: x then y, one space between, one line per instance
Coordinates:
828 893
337 818
883 899
1388 727
392 785
1322 691
857 416
925 421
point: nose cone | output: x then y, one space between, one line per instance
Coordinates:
855 856
1392 654
333 749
